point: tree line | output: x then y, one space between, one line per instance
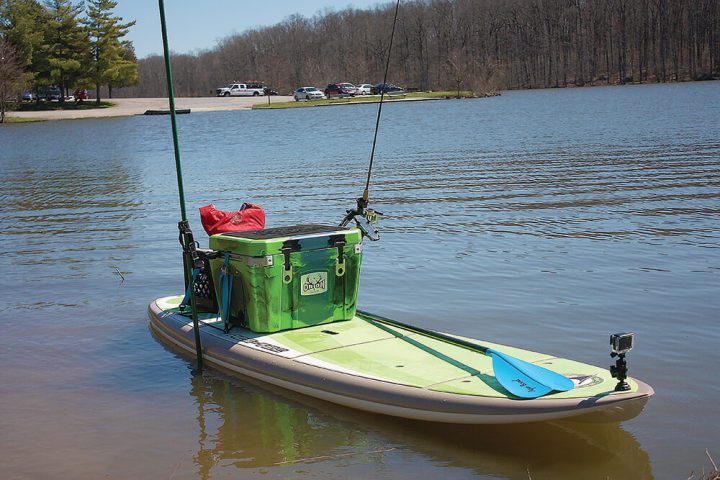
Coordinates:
66 44
483 45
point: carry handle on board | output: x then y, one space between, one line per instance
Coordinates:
521 378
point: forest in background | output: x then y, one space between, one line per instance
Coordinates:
486 45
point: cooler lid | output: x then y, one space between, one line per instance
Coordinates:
256 243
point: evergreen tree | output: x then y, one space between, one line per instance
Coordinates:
67 41
113 60
124 73
22 23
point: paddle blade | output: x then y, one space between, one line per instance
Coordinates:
524 379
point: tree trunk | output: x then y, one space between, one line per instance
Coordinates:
97 76
2 106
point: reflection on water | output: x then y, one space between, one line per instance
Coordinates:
247 427
250 425
542 219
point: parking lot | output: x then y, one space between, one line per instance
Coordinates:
137 106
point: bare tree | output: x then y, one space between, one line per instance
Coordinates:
497 43
12 77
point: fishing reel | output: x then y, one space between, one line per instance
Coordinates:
365 219
187 241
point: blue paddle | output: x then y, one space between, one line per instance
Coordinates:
521 378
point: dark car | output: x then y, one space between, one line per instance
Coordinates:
53 93
81 94
387 88
48 93
338 90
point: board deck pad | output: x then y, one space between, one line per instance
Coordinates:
357 347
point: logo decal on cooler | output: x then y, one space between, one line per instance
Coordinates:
313 283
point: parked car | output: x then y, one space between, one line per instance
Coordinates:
53 93
81 94
240 90
388 88
308 93
349 87
27 96
269 91
48 93
339 90
364 89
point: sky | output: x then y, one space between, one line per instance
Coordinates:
198 25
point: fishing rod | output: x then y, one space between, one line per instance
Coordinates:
363 216
520 378
190 256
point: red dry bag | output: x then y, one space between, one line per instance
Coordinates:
249 217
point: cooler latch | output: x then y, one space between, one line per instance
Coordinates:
287 274
340 261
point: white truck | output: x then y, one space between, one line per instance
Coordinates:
241 90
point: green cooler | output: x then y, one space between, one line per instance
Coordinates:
288 277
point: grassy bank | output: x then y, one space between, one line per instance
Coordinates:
364 99
447 94
22 120
70 105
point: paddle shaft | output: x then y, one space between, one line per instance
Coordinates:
428 333
519 377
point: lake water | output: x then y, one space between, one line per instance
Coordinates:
543 219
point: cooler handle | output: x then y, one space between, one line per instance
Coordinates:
340 260
287 273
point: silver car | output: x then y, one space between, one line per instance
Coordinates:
364 89
308 93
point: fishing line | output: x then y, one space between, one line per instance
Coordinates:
366 193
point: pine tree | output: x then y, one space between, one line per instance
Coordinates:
113 60
124 73
67 44
22 23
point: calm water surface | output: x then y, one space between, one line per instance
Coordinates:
543 219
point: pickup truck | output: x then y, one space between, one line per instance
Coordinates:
240 90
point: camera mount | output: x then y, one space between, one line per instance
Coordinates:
621 344
619 371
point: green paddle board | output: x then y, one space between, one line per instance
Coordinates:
392 371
